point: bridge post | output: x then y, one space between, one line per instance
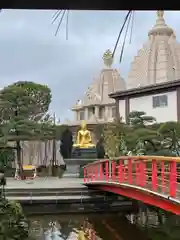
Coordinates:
142 168
113 167
101 172
110 169
85 175
173 179
137 172
154 175
130 169
163 177
107 170
120 171
96 172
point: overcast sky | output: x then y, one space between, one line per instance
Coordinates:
30 51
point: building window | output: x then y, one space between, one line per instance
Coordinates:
91 112
160 101
113 112
81 115
101 112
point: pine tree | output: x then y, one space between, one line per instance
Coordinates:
19 108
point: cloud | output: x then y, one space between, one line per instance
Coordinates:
30 51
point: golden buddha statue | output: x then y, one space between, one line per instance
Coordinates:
84 139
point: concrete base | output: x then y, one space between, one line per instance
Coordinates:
80 157
84 153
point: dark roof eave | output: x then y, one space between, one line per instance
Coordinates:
160 87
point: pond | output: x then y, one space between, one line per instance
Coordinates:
146 224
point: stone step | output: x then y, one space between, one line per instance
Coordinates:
42 190
56 199
66 199
54 193
75 207
71 175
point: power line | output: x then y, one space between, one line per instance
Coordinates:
117 41
127 28
61 14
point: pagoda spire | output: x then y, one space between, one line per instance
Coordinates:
160 14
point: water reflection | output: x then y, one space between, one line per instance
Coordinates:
93 227
148 223
62 228
156 223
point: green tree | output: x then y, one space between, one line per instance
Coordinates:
13 224
41 94
149 137
170 133
144 131
99 130
140 119
112 135
19 109
47 126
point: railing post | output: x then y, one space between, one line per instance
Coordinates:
92 173
120 171
88 178
173 179
137 172
101 171
96 172
110 169
85 175
145 172
154 175
107 170
142 179
125 172
113 169
163 176
130 179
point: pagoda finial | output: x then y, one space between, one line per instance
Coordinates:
108 58
160 14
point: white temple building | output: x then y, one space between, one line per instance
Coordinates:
159 59
96 105
152 85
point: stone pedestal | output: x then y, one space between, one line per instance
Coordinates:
84 153
80 157
83 156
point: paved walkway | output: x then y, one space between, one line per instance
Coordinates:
50 182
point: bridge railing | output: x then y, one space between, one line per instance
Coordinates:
151 173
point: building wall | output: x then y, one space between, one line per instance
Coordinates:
95 113
145 103
122 110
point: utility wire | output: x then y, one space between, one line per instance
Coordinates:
61 14
127 28
117 41
60 22
56 14
67 24
132 24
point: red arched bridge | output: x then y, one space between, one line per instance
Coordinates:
150 179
